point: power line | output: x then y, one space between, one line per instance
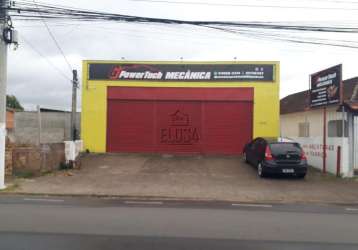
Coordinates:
69 14
287 1
279 37
247 5
55 41
45 58
25 11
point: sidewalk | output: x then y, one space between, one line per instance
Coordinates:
197 178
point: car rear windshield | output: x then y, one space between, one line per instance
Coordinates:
284 148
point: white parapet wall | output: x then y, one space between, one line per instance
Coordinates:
72 149
313 147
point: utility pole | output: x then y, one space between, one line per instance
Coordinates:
74 105
39 125
3 78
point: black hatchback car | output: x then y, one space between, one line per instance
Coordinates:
276 156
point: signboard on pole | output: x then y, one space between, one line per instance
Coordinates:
326 87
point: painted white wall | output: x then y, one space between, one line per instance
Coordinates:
289 122
73 149
356 143
313 145
2 155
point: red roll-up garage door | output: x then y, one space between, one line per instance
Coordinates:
179 120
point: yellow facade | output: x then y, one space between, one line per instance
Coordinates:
94 101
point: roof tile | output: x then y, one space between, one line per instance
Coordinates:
299 102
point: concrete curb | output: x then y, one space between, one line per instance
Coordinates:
180 199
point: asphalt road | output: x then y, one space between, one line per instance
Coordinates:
88 223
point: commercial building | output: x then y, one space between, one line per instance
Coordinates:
306 125
178 107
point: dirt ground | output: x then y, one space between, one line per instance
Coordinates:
197 177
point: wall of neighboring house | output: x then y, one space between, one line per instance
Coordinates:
290 122
307 128
55 127
9 119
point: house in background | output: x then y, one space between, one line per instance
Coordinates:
9 119
306 125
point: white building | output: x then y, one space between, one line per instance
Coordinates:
305 125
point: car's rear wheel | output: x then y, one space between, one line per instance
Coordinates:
260 171
301 176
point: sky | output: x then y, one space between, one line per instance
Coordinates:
45 80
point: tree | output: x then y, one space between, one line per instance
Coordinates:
13 103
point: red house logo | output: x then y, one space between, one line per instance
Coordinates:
179 131
179 119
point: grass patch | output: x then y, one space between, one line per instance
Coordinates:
47 172
10 188
24 174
